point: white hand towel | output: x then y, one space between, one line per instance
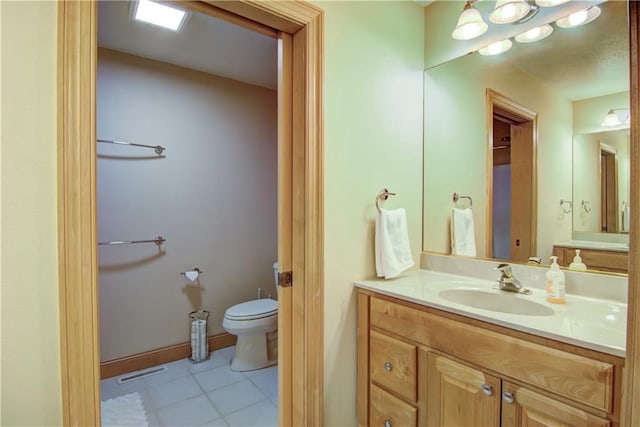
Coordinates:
463 240
393 251
625 218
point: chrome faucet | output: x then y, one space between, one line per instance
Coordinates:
507 281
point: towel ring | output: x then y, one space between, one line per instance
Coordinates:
457 197
568 203
383 195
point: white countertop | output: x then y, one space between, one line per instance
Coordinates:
590 244
586 322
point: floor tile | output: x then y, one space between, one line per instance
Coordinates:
177 369
174 391
262 414
235 396
191 412
266 381
216 423
218 377
262 371
226 352
216 360
109 388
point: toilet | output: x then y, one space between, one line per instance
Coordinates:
254 323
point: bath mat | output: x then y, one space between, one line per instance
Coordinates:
124 410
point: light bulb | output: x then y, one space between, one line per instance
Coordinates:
496 48
577 18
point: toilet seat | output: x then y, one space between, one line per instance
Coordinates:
251 310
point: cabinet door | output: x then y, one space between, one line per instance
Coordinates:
526 408
460 395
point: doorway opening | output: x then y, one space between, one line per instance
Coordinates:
511 178
608 189
300 202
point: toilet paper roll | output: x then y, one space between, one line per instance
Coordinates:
192 275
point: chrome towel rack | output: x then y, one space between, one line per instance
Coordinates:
457 197
383 195
157 148
158 241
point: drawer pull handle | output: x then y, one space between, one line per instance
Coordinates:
388 367
487 389
507 396
387 423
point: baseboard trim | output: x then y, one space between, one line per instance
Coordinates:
124 365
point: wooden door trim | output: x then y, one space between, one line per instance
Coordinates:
495 99
631 395
77 230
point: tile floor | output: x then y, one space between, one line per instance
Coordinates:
205 394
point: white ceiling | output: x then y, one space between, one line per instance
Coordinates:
205 43
583 62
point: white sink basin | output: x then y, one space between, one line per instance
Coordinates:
501 302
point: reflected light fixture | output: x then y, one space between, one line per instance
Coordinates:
496 48
508 11
470 23
613 119
159 14
550 3
579 18
535 34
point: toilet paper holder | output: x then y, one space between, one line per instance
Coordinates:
192 274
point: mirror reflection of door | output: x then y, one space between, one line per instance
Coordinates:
513 175
608 189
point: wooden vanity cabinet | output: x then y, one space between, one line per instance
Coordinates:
612 261
419 366
523 407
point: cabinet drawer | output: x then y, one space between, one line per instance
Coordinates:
386 410
576 377
393 364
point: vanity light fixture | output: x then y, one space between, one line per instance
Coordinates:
496 48
613 118
550 3
159 14
508 11
579 18
470 23
535 34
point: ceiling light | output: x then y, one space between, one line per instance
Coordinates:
507 11
613 119
550 3
470 24
535 34
159 14
496 48
579 18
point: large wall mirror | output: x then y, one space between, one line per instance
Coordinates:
569 82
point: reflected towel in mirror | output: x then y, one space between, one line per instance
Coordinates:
393 251
463 240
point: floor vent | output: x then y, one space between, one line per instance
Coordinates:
141 374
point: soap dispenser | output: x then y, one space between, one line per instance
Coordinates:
555 283
577 263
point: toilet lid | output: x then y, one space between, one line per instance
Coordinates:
255 309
